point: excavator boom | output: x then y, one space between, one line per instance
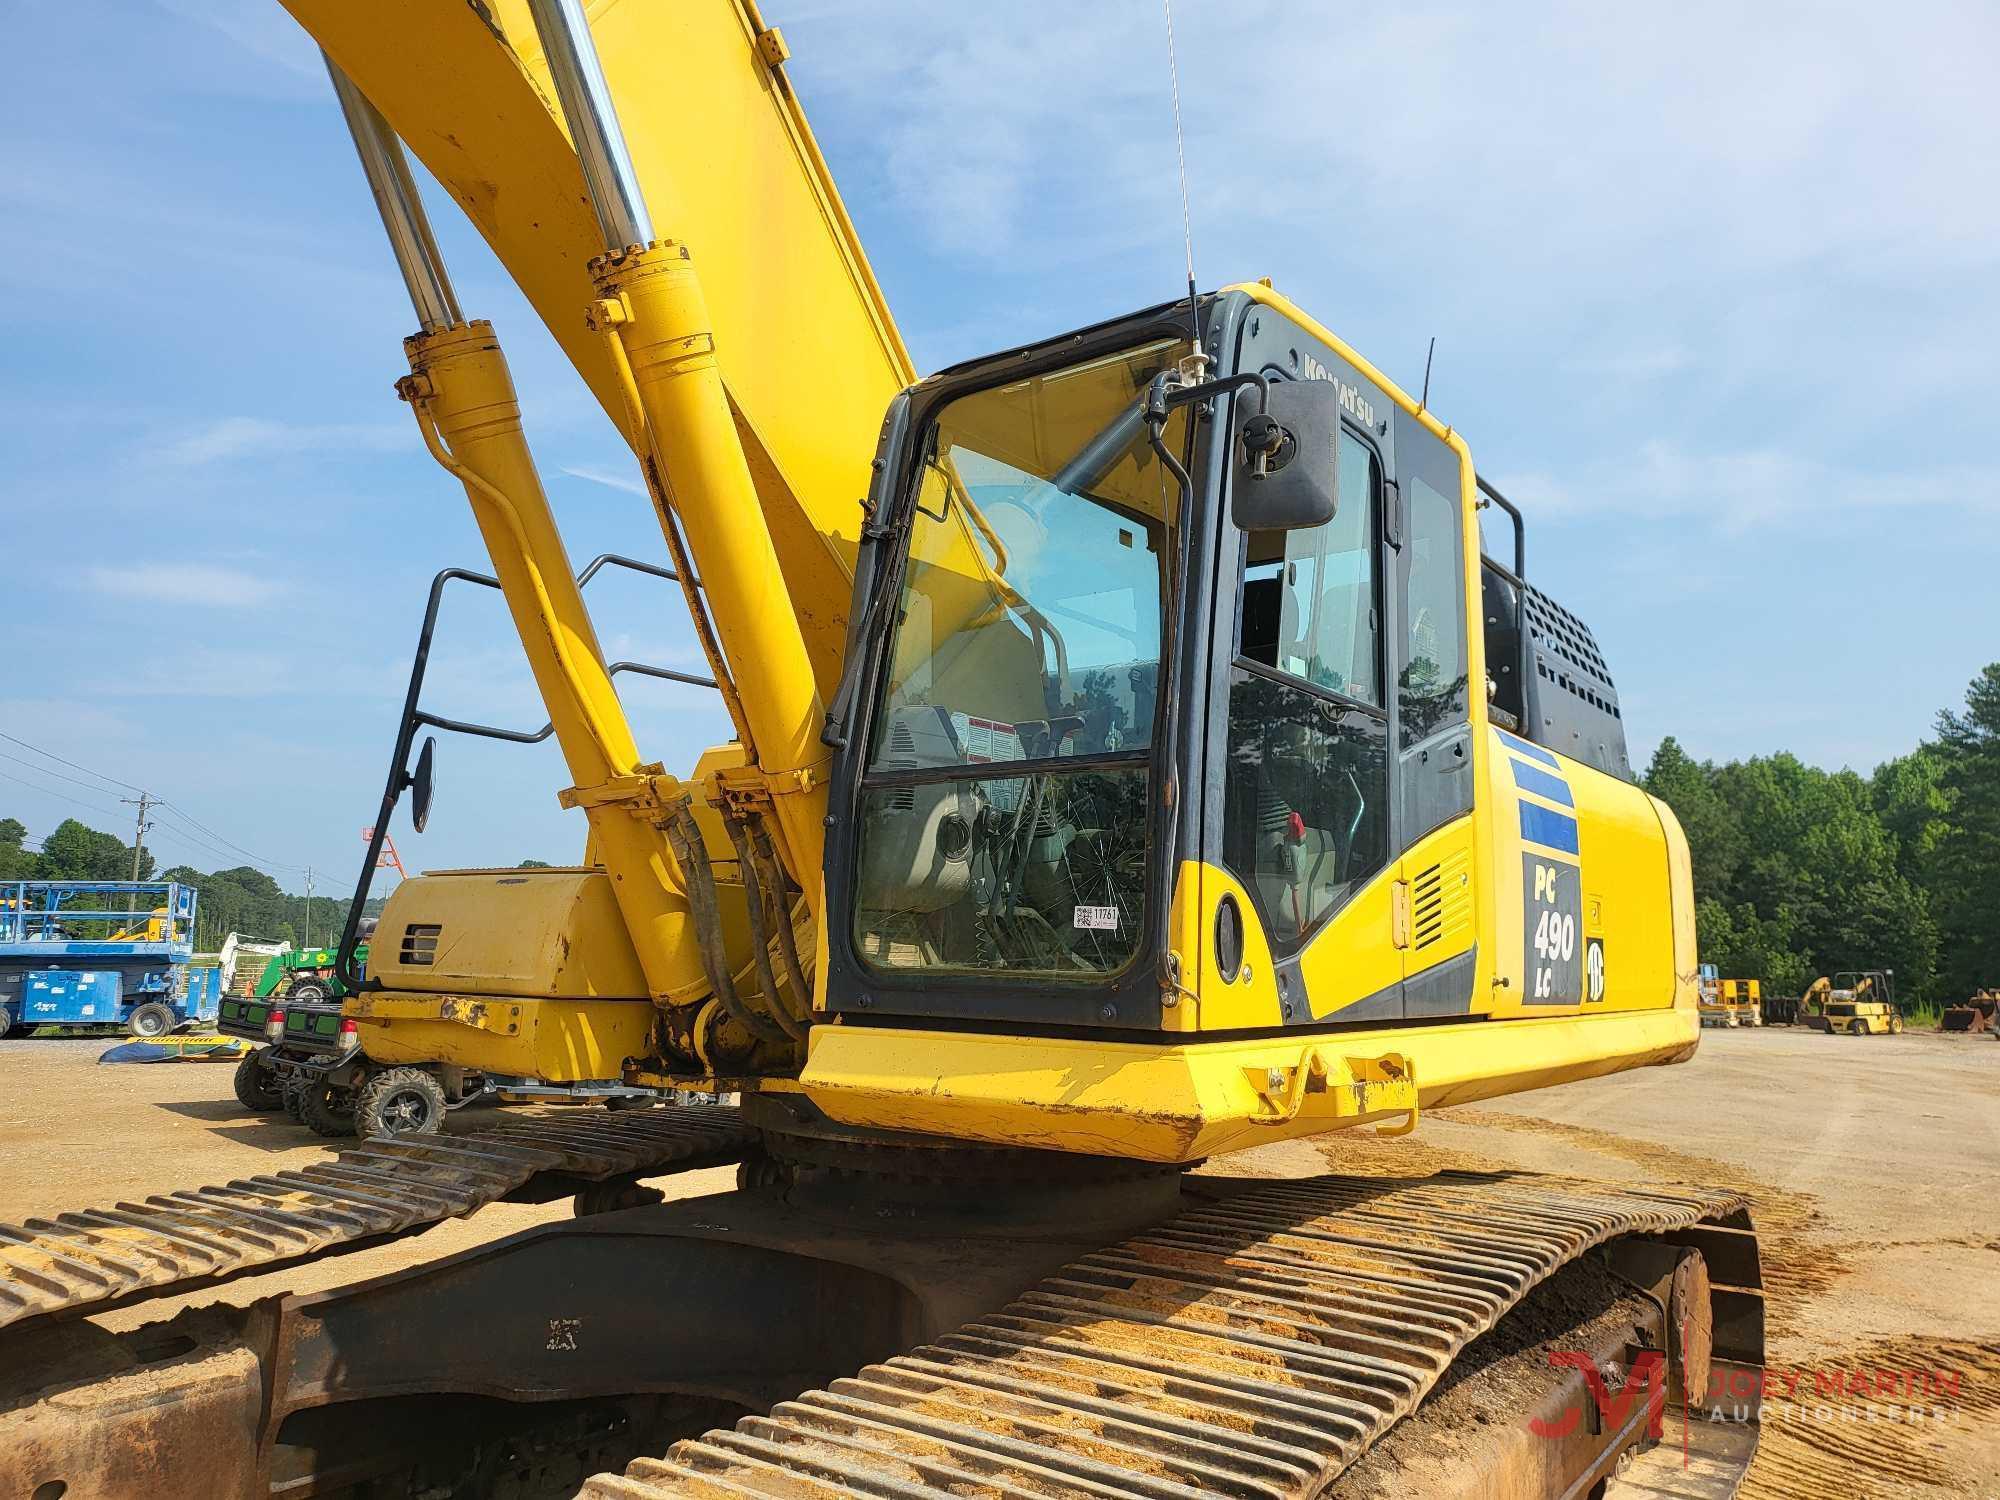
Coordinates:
808 352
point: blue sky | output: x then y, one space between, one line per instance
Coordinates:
1713 287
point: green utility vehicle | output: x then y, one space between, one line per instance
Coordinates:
295 1009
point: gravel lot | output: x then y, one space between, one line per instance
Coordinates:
1873 1165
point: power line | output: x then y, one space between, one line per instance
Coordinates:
41 770
254 858
12 740
145 802
65 796
210 847
38 844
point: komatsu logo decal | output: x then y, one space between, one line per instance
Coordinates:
1352 401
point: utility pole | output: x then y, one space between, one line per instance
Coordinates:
309 907
143 802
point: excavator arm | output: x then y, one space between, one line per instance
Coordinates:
808 352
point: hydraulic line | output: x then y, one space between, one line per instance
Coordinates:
788 946
763 907
656 487
691 851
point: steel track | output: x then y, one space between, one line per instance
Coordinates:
374 1190
1254 1346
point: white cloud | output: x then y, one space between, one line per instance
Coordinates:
605 477
243 437
1703 135
184 583
260 29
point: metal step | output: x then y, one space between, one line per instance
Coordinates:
373 1190
1253 1346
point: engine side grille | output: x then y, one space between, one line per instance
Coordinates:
420 942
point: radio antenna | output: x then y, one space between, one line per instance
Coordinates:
1180 155
1424 401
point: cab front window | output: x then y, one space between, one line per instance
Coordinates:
1004 804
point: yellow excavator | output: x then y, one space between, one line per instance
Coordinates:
1135 761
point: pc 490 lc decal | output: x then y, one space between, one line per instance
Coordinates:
1552 940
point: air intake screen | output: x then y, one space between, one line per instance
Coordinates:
420 941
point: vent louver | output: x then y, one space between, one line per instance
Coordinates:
420 942
1427 907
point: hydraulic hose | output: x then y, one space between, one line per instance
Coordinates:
788 946
762 907
684 834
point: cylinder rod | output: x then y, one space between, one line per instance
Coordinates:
593 122
403 217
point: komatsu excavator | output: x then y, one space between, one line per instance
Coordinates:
1135 760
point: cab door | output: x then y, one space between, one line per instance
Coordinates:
1435 662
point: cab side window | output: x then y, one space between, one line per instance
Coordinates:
1431 687
1306 791
1433 652
1309 597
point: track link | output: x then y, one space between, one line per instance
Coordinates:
373 1190
1253 1346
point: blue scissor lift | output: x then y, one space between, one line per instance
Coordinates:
102 954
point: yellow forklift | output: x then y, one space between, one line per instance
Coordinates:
1854 1002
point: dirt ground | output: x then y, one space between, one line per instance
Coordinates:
1872 1166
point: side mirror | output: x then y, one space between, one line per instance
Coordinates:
1288 459
422 783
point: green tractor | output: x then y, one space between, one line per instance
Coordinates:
305 976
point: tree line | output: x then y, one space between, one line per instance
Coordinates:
243 900
1800 872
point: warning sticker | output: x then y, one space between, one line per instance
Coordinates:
1095 919
986 739
1593 970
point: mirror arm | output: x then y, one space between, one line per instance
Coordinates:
1166 392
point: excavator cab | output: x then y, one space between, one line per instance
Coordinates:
1127 757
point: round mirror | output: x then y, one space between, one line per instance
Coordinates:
422 782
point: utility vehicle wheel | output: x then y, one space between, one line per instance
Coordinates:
151 1019
1857 1027
310 989
6 1020
399 1101
326 1109
256 1086
1895 1026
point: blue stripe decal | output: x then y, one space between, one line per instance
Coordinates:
1542 825
1533 752
1541 783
